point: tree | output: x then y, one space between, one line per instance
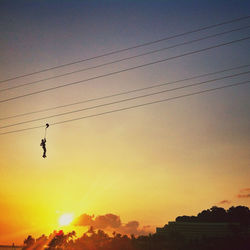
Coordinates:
30 241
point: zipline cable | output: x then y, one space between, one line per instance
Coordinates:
125 70
124 100
133 47
126 92
131 107
123 59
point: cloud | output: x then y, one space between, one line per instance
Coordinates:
130 228
100 222
245 190
84 220
107 220
244 193
112 222
224 202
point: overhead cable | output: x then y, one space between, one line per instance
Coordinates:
129 48
124 100
124 93
125 70
123 59
130 107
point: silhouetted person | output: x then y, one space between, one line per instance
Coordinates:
43 144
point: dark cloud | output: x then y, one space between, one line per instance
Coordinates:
84 220
224 202
112 222
244 193
101 221
107 220
130 228
245 190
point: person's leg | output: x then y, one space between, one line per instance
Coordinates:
44 152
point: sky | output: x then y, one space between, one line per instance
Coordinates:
146 165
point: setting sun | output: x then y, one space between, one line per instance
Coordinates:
124 125
65 219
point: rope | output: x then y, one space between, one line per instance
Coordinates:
47 125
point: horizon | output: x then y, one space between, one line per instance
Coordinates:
108 226
147 104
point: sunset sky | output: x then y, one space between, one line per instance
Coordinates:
148 164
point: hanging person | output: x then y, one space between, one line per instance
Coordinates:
43 142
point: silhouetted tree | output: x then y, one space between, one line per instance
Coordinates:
30 241
238 214
99 240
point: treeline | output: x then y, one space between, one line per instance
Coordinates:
99 240
239 214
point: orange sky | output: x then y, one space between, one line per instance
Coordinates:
150 164
128 164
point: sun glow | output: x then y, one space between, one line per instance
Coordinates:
65 219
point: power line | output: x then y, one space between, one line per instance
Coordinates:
124 100
130 107
125 70
126 92
129 48
124 59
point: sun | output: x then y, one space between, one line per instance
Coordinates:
65 219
